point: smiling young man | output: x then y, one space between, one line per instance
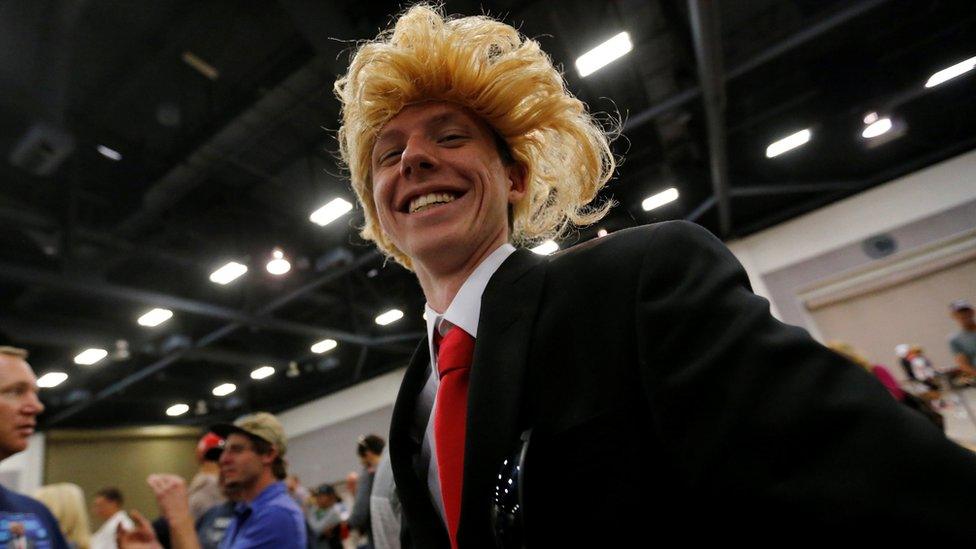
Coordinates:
19 408
643 353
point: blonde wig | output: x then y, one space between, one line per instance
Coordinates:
67 503
506 79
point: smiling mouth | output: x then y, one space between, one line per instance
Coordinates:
430 200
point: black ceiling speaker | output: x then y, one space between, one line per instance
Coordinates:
42 149
879 246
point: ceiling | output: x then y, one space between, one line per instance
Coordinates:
223 115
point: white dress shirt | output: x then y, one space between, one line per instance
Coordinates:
104 538
464 311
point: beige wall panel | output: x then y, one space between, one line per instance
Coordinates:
121 458
915 311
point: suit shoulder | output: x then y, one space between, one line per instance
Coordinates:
637 241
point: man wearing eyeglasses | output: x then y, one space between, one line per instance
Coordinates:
642 357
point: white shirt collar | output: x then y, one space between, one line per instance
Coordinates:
465 308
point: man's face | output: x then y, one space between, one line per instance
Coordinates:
240 465
324 501
964 317
19 405
440 186
104 508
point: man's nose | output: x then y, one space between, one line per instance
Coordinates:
417 157
34 405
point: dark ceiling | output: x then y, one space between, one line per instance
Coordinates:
225 160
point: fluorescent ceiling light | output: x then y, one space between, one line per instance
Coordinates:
788 143
262 372
546 248
660 199
605 53
330 212
201 66
278 264
224 389
109 153
324 346
949 73
51 379
876 128
90 356
389 317
155 317
228 273
177 410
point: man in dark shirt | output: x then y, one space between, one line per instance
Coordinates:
24 522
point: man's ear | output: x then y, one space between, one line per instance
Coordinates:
268 459
516 172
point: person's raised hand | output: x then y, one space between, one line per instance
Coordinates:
141 536
172 497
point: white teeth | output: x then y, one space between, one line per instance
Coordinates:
428 200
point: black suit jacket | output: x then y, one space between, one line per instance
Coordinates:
664 398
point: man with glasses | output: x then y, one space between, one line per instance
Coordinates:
642 357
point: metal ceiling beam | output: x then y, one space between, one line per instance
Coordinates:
35 277
800 188
211 338
784 46
708 52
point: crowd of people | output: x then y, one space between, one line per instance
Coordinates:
241 495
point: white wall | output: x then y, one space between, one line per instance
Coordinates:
26 467
918 195
349 403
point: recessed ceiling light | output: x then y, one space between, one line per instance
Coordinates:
788 143
546 248
177 410
228 273
602 233
109 153
90 356
262 372
659 199
330 212
389 317
604 54
224 389
155 317
324 346
51 379
876 128
949 73
278 264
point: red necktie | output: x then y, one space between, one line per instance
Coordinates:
454 367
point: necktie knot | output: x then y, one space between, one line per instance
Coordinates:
454 351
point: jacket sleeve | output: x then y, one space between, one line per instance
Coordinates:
748 405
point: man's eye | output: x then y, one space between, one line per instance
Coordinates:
389 155
451 137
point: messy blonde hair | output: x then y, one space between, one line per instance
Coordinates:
67 503
504 78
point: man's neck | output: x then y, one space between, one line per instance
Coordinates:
441 281
210 468
266 479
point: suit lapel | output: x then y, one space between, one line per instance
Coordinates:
406 436
508 310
